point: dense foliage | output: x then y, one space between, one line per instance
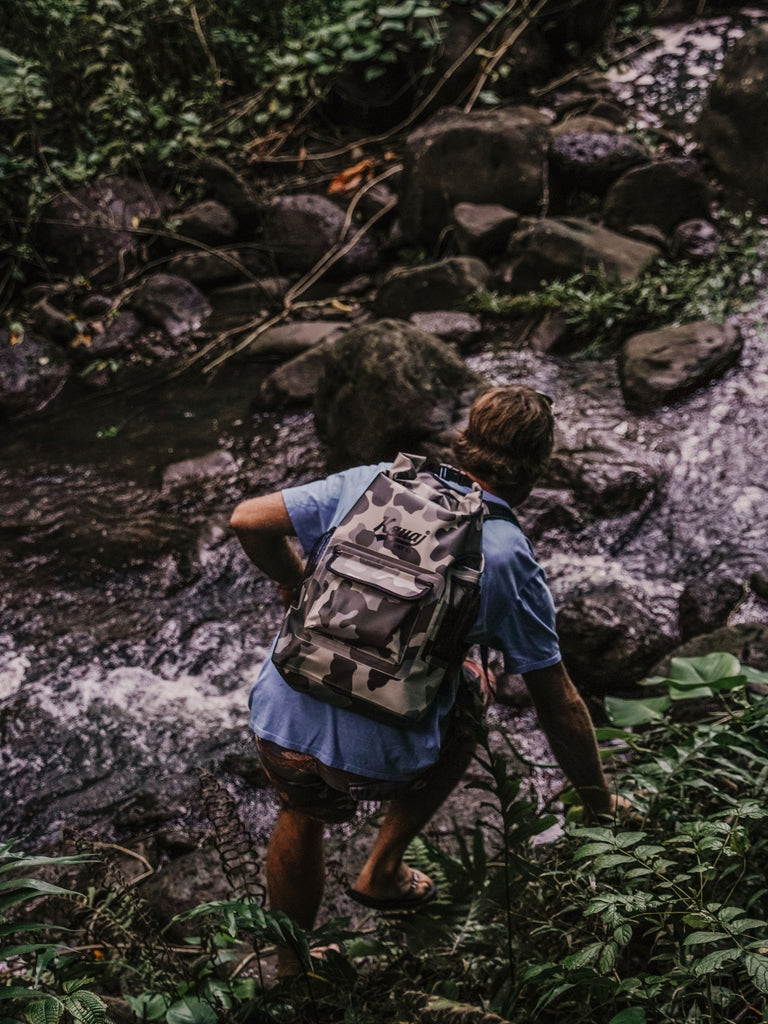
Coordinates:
661 917
89 87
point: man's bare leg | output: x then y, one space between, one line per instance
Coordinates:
295 875
384 875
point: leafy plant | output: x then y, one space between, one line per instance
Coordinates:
45 976
602 314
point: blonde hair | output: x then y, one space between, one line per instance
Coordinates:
508 440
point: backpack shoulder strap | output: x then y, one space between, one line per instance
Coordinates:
491 509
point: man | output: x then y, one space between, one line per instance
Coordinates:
322 759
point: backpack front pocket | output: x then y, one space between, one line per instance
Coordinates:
368 601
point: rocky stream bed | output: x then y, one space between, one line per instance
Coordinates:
132 625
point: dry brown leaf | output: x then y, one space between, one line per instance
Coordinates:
352 177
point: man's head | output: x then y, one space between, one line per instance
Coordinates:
508 440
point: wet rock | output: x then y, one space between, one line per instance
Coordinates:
51 322
230 189
299 230
208 269
215 464
606 481
606 110
32 373
183 883
442 285
483 229
462 329
208 222
289 340
747 641
110 336
592 161
556 249
610 639
295 383
171 303
388 386
733 124
91 231
705 604
496 156
551 334
696 240
549 509
236 303
663 193
658 367
759 583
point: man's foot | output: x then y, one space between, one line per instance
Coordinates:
409 890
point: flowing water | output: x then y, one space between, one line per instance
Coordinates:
132 625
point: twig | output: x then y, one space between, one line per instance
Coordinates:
204 43
510 40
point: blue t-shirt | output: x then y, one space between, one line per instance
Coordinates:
517 618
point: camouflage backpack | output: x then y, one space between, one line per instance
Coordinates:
389 595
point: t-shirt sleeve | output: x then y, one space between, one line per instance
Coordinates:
311 507
527 632
315 507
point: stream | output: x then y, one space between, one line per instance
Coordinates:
132 626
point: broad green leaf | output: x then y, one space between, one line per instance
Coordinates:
592 850
583 957
714 962
148 1006
86 1007
611 860
631 1015
608 956
706 669
44 1011
697 938
757 968
403 11
604 733
627 712
191 1010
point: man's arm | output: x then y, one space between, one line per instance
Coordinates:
263 528
564 717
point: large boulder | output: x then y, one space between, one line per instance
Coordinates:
706 604
662 194
32 373
591 161
496 156
441 285
659 367
172 303
301 229
92 231
557 249
733 124
387 386
610 639
482 229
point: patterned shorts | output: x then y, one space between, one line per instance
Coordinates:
331 795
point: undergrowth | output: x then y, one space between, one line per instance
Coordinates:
659 917
601 313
